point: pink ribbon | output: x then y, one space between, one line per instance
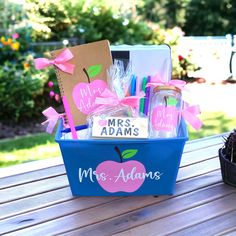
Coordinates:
189 113
158 82
61 62
107 97
52 118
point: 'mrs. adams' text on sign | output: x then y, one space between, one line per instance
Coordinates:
120 127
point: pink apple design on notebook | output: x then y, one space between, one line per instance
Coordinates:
84 94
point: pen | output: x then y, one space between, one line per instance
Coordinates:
69 117
142 100
77 128
147 96
133 86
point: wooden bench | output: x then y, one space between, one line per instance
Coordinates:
39 202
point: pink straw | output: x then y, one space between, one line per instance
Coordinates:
69 117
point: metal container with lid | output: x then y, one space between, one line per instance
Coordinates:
165 110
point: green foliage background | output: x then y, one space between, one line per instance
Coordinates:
25 92
93 20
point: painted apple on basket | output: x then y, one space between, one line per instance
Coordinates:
121 176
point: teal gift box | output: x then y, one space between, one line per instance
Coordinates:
122 167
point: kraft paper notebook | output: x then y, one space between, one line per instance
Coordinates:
88 79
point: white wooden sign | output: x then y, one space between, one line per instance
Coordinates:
120 127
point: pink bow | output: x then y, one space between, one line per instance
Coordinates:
60 61
110 98
52 118
158 82
189 113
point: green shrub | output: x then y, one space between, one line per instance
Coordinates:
56 20
102 23
21 85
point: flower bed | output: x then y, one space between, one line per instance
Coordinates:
20 84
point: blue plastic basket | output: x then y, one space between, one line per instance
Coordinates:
149 167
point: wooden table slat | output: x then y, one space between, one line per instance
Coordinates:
52 212
186 218
198 169
28 167
35 202
15 192
31 189
39 202
32 176
200 155
197 144
25 191
55 197
155 212
228 232
113 209
211 227
57 170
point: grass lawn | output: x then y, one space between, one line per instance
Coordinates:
41 146
28 148
214 123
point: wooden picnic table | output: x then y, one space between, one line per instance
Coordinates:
39 202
